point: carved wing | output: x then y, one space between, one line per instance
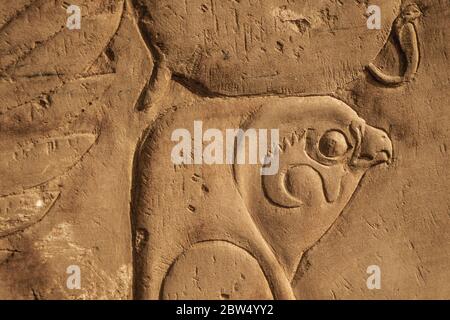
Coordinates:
54 83
20 211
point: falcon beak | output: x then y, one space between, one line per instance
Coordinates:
375 147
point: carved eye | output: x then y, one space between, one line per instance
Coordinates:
333 144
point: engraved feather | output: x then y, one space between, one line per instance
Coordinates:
276 187
20 211
34 163
55 85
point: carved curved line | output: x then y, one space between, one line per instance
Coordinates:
283 198
205 244
384 78
409 42
54 169
19 220
67 79
159 80
412 58
280 289
10 69
275 190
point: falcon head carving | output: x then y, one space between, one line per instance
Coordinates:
325 149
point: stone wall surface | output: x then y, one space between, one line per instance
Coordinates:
123 174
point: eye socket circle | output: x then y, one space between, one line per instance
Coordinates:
333 144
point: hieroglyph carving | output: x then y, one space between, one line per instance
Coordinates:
405 31
193 222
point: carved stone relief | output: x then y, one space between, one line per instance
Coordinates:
274 218
348 166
